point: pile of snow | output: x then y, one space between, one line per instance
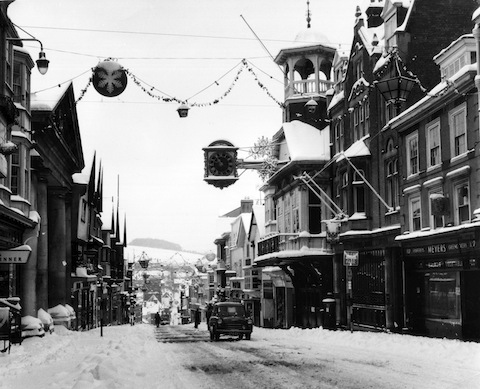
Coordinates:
46 320
60 315
32 326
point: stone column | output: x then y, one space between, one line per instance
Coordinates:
56 247
68 248
29 274
42 247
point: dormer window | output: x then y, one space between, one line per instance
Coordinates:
390 28
460 53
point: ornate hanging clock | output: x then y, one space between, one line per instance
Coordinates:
220 164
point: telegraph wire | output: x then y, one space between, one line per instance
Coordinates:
176 35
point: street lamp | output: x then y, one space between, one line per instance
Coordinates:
395 89
311 105
143 261
42 61
183 110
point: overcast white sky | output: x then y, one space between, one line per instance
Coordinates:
179 48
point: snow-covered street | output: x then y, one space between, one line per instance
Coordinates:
146 357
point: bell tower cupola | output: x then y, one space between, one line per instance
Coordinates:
307 66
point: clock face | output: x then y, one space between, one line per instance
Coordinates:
221 163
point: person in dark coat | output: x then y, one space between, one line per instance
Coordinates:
198 317
157 319
209 313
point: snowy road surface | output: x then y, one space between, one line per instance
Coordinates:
181 357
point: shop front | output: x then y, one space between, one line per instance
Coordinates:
442 284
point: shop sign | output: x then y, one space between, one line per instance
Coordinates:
350 258
441 248
18 254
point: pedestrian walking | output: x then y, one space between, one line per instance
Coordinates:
198 317
157 319
132 318
209 313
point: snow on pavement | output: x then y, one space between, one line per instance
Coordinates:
129 356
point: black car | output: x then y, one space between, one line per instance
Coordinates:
230 318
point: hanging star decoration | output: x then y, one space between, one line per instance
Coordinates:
109 78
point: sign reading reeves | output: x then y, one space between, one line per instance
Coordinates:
18 254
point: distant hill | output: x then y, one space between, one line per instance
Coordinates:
156 244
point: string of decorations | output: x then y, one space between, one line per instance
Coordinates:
110 79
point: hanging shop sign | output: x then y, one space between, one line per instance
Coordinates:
333 230
350 258
109 79
18 254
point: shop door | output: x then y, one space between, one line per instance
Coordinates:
471 305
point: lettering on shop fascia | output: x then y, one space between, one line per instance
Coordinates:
441 248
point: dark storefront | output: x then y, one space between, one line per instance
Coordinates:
312 280
442 285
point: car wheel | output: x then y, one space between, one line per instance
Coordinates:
248 336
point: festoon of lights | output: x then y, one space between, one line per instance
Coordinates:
110 80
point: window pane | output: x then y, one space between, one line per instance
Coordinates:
416 214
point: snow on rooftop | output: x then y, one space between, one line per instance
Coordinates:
80 178
307 143
47 100
357 149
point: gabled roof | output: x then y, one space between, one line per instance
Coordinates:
54 115
258 220
48 100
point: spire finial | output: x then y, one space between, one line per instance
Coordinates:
309 19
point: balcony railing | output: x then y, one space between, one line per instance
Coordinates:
307 87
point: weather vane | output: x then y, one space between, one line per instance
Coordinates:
309 19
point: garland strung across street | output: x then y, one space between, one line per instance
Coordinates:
110 79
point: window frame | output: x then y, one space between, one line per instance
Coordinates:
434 126
413 200
454 135
358 186
433 219
457 217
392 183
410 169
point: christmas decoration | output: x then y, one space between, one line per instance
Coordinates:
109 78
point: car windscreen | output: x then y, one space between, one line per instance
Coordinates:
231 310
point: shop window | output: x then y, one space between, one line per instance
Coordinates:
442 299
